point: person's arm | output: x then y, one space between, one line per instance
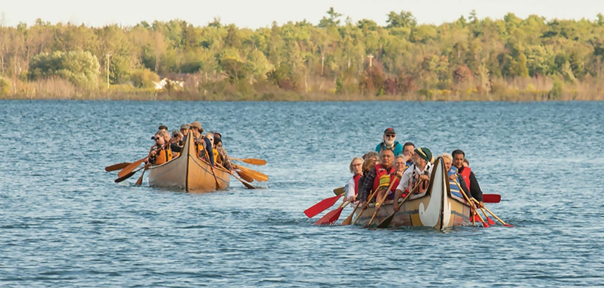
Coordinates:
350 189
462 183
378 148
208 147
475 188
398 149
368 184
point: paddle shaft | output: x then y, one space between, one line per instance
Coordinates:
386 222
495 216
368 200
139 182
247 185
212 168
465 196
381 201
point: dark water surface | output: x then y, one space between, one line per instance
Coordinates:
64 222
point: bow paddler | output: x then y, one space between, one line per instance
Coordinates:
421 170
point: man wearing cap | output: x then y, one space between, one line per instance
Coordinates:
378 178
421 170
184 129
467 175
390 143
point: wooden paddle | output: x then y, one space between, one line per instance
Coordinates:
130 167
253 161
465 196
368 201
139 182
258 176
313 210
116 167
245 176
491 222
247 185
386 222
498 219
332 216
339 191
348 219
121 179
380 202
212 168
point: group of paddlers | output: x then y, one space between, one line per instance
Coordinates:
208 147
394 170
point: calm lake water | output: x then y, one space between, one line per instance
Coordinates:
64 222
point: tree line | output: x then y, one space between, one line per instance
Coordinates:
470 58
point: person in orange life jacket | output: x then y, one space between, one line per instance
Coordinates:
379 177
408 149
176 145
452 172
352 188
390 143
421 170
160 152
468 176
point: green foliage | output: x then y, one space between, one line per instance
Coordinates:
144 78
556 91
331 56
78 67
5 87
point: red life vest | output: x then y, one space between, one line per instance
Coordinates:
356 183
465 173
381 171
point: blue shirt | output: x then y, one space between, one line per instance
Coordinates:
398 148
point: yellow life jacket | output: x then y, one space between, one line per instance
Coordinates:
163 156
215 155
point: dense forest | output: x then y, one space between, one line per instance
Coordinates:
468 59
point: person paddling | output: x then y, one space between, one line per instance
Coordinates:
160 152
421 170
352 188
379 177
468 176
453 176
389 142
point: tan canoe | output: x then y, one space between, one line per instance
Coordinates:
437 208
188 172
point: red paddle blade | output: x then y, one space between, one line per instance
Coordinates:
476 219
491 198
321 206
509 225
485 225
490 221
330 217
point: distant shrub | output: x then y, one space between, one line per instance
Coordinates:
5 86
556 91
144 78
78 67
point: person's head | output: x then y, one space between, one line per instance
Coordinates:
458 157
162 127
387 158
159 138
356 165
176 135
217 135
408 149
399 163
422 156
466 163
165 134
389 136
371 155
217 141
210 137
184 129
447 160
196 126
369 163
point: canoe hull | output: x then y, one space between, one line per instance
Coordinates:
436 208
188 172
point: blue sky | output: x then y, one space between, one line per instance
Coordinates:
261 13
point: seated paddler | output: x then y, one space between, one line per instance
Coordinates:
352 188
379 177
160 152
419 171
468 176
453 176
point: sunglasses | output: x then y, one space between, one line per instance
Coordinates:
390 135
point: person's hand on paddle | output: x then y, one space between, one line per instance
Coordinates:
480 204
378 206
399 174
364 205
453 177
424 177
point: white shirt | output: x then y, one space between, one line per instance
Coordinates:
408 175
350 187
